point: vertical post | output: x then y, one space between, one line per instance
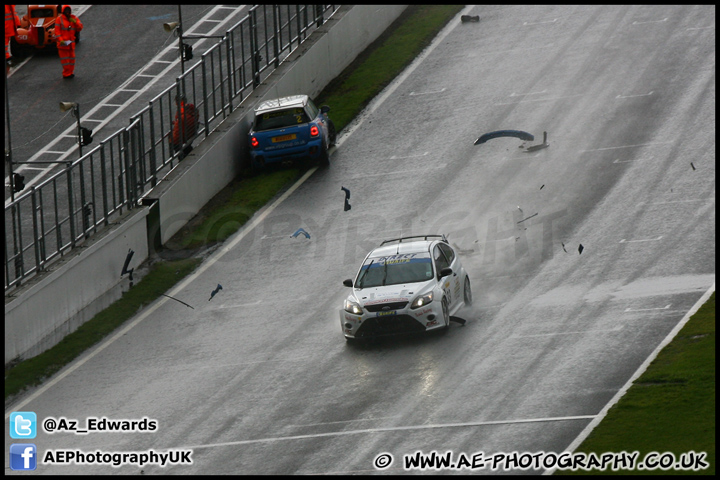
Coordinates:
71 206
255 59
276 33
179 28
17 239
229 42
180 118
41 238
9 143
35 229
205 94
103 177
76 111
319 15
83 217
153 160
58 225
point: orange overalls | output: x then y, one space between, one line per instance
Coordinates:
12 21
190 120
65 31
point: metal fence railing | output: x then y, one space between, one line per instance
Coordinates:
58 214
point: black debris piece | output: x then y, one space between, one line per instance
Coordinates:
693 166
531 216
504 133
179 301
217 289
543 185
347 198
127 263
580 249
469 18
563 245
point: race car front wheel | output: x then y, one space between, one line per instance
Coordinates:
446 313
468 293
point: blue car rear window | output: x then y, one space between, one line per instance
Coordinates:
280 119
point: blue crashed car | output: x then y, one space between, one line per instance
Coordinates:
290 129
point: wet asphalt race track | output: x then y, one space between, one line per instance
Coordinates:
260 380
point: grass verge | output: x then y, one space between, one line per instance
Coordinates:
670 407
231 209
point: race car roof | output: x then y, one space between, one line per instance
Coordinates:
399 248
282 102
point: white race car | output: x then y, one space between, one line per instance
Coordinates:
412 285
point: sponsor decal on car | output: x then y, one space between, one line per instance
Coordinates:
424 311
385 314
402 256
431 323
386 300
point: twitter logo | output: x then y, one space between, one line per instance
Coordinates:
23 425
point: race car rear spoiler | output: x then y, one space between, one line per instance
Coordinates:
425 237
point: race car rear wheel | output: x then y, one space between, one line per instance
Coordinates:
468 293
324 158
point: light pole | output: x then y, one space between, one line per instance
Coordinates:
8 152
185 50
64 107
84 135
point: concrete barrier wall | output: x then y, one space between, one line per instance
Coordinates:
82 284
89 280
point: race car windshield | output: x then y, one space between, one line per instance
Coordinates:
395 269
280 119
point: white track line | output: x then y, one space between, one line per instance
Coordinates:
383 430
596 421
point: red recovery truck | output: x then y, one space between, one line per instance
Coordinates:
37 29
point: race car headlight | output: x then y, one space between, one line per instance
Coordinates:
352 307
422 300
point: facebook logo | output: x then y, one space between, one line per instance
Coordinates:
23 425
23 456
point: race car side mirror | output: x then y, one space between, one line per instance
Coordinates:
324 109
445 272
347 283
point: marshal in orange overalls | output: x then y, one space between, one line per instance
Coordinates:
12 21
66 26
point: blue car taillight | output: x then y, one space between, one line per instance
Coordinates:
314 131
254 142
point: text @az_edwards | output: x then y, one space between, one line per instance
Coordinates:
98 424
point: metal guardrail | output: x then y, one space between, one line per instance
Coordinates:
60 213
